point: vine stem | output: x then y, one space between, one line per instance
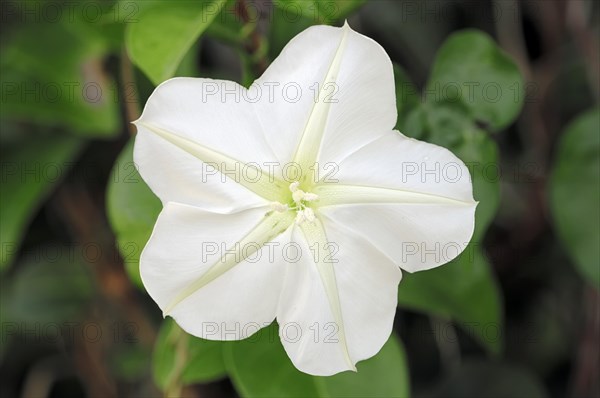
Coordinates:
86 222
256 45
577 22
129 93
584 380
174 385
447 343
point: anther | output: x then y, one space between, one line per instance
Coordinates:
279 207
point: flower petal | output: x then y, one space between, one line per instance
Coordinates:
187 138
346 99
415 203
319 340
212 287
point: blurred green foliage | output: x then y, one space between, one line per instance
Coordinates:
165 32
449 117
28 176
181 359
575 193
59 85
472 70
256 362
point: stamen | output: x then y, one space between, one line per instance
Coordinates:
279 207
300 198
309 215
310 197
298 195
306 214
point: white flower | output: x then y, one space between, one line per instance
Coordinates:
244 239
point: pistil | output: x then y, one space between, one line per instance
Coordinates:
301 200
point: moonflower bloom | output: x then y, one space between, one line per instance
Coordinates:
296 200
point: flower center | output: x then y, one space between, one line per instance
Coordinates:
301 202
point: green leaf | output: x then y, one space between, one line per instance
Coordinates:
181 359
58 85
407 99
254 363
471 70
165 32
467 61
575 193
52 285
462 290
283 28
29 173
228 26
384 375
414 124
130 361
132 210
450 128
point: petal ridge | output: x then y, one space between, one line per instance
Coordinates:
268 187
315 235
311 139
269 228
338 194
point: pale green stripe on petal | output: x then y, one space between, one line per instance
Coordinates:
317 239
267 186
312 136
336 194
273 225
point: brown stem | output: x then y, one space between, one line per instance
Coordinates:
532 122
586 41
174 386
585 382
129 94
88 224
256 41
